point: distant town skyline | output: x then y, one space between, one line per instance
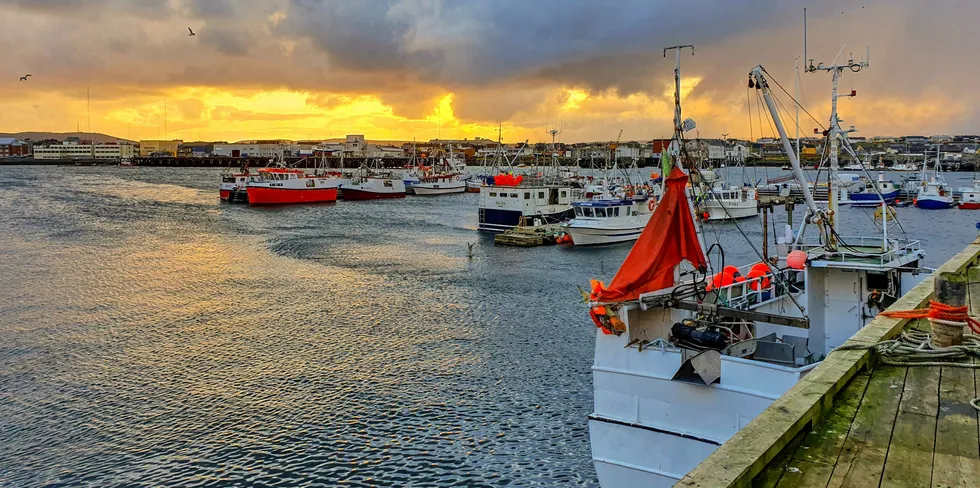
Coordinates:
404 69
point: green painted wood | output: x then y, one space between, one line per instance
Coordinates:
862 458
912 447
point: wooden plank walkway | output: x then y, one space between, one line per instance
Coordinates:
892 427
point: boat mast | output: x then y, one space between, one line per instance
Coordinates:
678 130
758 80
834 135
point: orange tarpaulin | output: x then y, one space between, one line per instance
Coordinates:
668 239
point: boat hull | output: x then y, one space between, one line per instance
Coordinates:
422 190
729 211
970 205
498 220
284 196
591 236
933 204
356 194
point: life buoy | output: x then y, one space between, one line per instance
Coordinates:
651 204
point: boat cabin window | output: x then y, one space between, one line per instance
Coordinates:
563 194
527 195
877 281
389 184
578 211
513 195
588 211
627 211
600 212
615 211
228 179
541 194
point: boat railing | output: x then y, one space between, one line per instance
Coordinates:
751 292
863 249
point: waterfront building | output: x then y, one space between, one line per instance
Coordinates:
149 147
13 148
84 150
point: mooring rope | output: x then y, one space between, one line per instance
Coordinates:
915 349
938 312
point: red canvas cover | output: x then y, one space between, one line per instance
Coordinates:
668 239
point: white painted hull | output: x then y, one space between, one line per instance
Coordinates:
735 210
650 430
585 236
423 189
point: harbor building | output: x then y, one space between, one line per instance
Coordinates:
150 147
14 148
72 149
253 149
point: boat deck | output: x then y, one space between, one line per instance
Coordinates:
892 426
855 422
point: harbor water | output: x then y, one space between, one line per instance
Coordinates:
152 336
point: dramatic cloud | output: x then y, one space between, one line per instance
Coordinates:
421 68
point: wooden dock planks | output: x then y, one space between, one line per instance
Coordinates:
957 456
863 455
910 452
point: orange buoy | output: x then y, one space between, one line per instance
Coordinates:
796 259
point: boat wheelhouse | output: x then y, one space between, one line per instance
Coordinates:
502 207
724 202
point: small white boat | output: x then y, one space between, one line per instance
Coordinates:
608 221
970 197
727 202
933 192
372 188
439 185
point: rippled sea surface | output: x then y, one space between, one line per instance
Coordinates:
150 335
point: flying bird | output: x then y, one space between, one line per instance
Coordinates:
24 78
191 32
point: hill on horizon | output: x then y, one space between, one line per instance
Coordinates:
98 137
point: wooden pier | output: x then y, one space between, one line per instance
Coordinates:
855 422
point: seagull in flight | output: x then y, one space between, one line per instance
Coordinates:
191 32
24 78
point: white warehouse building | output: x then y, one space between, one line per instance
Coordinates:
71 150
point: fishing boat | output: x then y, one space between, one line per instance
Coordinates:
440 184
933 193
726 203
872 193
234 187
689 351
279 186
608 221
507 199
970 197
367 186
474 184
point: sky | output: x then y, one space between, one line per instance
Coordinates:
422 69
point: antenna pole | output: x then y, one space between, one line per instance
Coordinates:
677 100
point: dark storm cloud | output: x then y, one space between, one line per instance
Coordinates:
494 56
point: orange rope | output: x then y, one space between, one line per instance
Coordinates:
937 311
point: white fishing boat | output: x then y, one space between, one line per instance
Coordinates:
970 196
686 357
373 184
608 221
439 184
933 193
726 202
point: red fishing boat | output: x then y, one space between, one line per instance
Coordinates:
275 186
